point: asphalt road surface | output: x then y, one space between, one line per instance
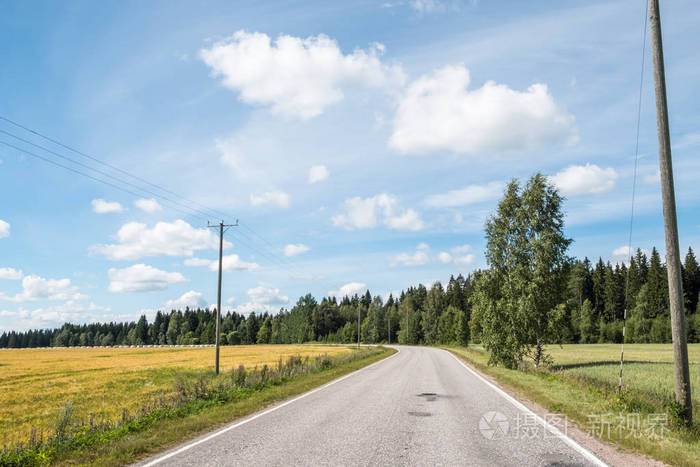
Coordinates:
421 406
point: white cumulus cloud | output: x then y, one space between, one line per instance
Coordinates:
11 274
233 263
585 179
461 249
267 296
366 213
318 173
197 262
439 113
178 238
444 257
296 77
149 205
293 250
261 299
348 290
4 229
37 288
141 278
622 254
464 260
274 198
470 194
229 263
417 258
101 206
190 299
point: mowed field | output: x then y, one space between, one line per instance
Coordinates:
647 368
36 383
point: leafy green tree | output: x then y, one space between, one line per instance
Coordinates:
173 328
526 254
265 332
233 338
409 322
446 326
434 304
461 327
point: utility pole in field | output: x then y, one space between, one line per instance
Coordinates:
221 226
673 261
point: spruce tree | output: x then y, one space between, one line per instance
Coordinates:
657 282
691 281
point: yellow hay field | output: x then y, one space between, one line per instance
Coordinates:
36 383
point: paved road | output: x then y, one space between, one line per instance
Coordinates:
420 406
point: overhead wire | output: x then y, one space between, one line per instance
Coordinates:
634 193
113 167
101 172
185 206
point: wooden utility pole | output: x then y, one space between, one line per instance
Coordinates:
673 259
218 295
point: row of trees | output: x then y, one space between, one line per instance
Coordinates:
590 310
531 295
438 316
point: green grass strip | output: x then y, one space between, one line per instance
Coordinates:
578 399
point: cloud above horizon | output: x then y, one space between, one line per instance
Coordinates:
4 229
141 278
136 240
586 179
367 213
295 77
438 112
101 206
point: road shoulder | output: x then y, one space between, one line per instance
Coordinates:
607 452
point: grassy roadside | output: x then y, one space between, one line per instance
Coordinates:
167 427
588 404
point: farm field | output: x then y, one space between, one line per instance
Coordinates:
36 383
582 381
648 368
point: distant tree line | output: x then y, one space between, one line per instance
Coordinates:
592 311
532 294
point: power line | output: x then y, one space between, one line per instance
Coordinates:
86 175
94 159
106 174
185 206
634 193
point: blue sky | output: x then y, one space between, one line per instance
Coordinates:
360 144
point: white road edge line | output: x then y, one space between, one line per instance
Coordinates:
262 414
552 429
